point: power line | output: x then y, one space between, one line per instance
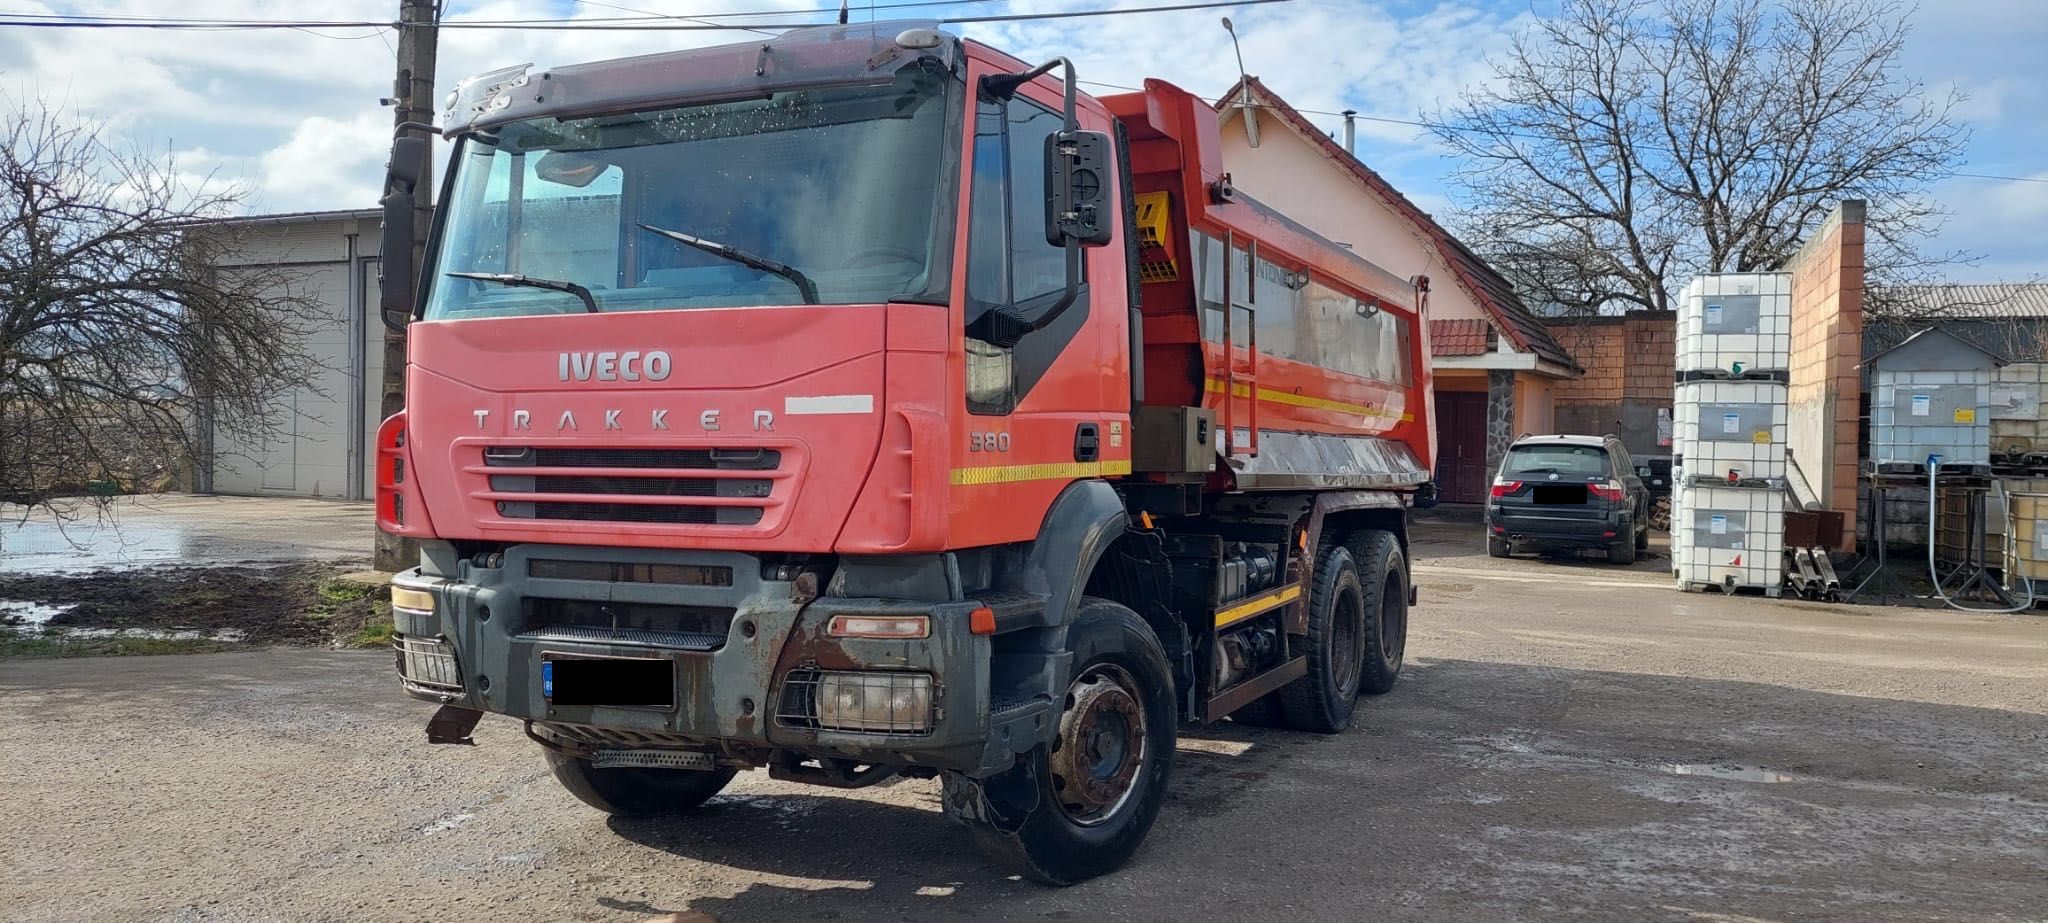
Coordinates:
650 22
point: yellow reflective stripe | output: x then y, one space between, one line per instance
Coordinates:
1215 386
1245 610
1006 474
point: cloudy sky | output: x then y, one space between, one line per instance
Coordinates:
294 115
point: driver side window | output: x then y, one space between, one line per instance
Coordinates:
1008 260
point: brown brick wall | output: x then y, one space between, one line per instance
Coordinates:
1827 329
1629 362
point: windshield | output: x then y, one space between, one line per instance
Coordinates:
822 195
1571 460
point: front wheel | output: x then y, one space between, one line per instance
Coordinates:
634 791
1079 806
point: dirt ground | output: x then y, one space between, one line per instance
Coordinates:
1568 739
275 604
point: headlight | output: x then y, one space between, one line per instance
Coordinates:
897 703
413 598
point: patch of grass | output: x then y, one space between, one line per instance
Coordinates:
25 645
344 591
375 633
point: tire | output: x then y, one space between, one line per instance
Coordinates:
637 792
1496 547
1622 552
1382 564
1074 832
1323 698
1643 539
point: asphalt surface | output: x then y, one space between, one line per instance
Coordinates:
1568 739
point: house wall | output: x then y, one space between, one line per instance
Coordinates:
1627 388
1535 403
1823 391
1289 174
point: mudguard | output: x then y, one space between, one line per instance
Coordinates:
1080 526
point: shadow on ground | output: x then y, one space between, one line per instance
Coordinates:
1481 789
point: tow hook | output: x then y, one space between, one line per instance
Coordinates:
451 724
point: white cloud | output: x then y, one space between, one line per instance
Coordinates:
327 160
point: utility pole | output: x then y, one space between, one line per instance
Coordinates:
412 98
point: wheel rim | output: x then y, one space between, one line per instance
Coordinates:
1348 642
1393 621
1101 745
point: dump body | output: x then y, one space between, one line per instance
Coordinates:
755 375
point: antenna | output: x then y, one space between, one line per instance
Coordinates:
1244 89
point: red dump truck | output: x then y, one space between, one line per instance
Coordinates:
866 402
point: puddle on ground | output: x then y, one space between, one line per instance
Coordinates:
1736 773
15 614
34 618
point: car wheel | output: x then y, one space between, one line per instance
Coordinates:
1079 807
1622 552
1496 547
1643 539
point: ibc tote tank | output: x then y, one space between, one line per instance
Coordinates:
1932 397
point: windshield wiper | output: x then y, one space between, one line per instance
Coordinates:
515 279
804 285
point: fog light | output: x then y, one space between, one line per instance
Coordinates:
899 703
879 626
428 664
413 598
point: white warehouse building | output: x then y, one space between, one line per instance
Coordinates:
324 448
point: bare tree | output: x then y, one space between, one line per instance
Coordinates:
123 340
1626 145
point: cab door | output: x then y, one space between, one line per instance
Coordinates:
1055 407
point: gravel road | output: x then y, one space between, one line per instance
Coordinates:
1568 739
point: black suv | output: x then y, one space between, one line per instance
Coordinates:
1557 492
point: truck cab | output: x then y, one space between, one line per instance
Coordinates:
782 405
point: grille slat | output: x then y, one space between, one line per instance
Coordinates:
728 459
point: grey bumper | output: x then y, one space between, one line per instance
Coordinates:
741 691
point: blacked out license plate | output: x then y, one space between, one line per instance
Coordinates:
609 681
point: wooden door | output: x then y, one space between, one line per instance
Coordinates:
1461 475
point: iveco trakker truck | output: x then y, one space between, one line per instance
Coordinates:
865 402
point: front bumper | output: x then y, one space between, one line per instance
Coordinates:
746 690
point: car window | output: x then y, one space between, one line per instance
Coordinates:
1579 460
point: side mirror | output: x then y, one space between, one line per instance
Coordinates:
395 270
408 164
1077 169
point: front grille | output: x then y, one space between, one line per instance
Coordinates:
701 628
681 487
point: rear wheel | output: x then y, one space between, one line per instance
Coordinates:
1079 806
637 792
1622 552
1384 572
1642 538
1322 699
1497 547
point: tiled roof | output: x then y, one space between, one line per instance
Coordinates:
1493 292
1464 336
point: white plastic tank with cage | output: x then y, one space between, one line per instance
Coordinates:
1931 395
1735 323
2019 431
1719 426
1729 538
